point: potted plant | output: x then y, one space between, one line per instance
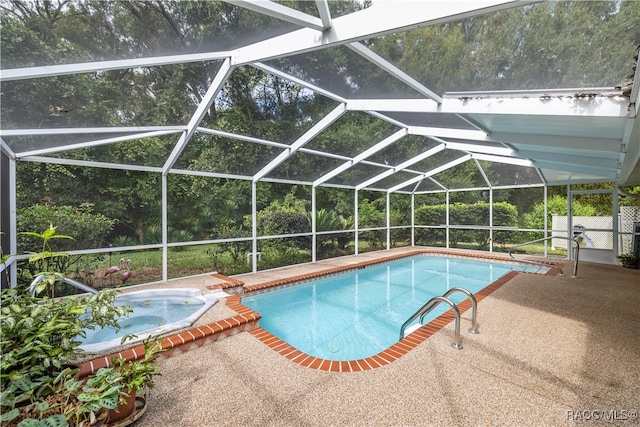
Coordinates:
39 340
135 378
39 337
630 259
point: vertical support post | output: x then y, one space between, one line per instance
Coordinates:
490 219
355 222
615 216
388 220
569 221
254 227
314 225
13 218
413 219
8 218
165 233
546 221
447 220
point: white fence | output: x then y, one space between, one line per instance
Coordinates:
597 232
628 215
592 237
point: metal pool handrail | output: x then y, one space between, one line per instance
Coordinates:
575 265
430 305
40 277
474 307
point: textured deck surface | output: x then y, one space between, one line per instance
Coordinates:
552 350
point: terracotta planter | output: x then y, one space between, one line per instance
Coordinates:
123 411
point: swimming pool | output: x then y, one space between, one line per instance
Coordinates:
358 314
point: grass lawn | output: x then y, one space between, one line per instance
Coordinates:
146 265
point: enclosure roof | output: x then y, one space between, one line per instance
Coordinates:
520 136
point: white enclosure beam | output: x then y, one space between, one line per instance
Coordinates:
91 164
599 102
382 63
388 119
399 105
431 173
241 137
96 143
323 11
402 166
378 20
279 11
585 170
503 159
360 157
471 135
314 88
308 136
92 67
205 104
96 130
532 142
484 149
4 147
165 229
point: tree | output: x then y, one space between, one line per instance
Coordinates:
556 205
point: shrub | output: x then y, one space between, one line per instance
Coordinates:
89 229
504 214
285 222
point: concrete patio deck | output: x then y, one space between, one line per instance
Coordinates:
552 350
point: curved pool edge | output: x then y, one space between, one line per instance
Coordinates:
385 357
192 338
247 320
209 299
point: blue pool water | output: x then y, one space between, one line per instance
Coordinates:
155 312
359 313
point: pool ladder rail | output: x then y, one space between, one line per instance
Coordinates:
435 301
33 287
526 261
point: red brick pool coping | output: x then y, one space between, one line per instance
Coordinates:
248 320
385 357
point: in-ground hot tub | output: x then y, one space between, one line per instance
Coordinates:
155 312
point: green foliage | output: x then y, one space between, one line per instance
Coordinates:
139 375
556 205
284 222
371 213
281 253
123 241
630 259
40 336
547 45
328 220
504 214
236 249
63 400
290 202
46 262
40 339
90 228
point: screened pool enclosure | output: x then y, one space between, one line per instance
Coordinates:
317 128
